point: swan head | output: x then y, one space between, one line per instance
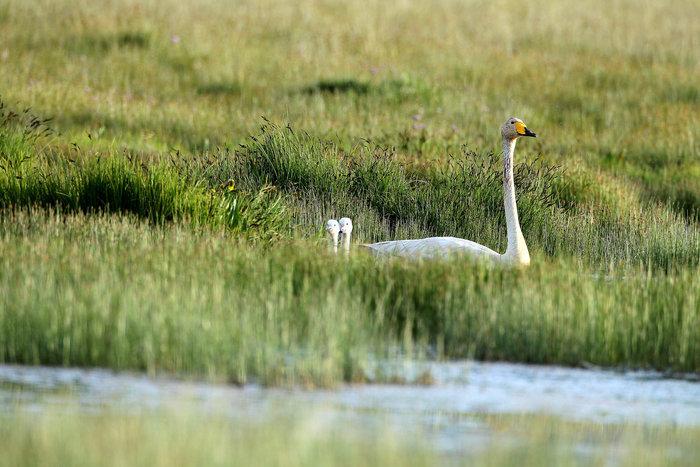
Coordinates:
345 226
515 128
333 228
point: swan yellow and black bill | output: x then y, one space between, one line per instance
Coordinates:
523 130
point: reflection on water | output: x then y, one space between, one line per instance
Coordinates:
439 411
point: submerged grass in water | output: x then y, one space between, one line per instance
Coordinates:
171 437
106 437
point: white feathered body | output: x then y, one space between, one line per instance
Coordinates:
433 247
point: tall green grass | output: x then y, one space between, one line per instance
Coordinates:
188 288
114 292
36 171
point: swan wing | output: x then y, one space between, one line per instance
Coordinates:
431 247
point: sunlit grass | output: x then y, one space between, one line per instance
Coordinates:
212 264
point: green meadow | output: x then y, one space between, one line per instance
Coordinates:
166 169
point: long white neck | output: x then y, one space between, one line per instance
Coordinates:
516 252
346 243
334 242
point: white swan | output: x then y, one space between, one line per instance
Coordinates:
333 229
516 252
345 233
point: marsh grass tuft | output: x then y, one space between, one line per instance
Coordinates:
391 90
106 42
258 215
219 88
338 86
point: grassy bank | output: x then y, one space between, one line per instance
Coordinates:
142 226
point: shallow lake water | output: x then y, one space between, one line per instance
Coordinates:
440 413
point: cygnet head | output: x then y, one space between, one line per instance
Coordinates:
515 128
333 228
345 226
